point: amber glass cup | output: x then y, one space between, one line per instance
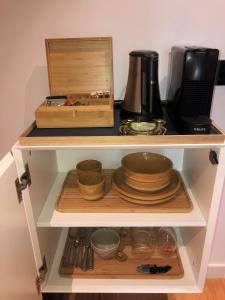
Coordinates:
167 241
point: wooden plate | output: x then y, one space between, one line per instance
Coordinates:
146 202
170 190
143 178
146 186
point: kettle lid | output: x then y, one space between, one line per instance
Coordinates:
144 53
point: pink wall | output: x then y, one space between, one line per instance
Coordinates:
133 24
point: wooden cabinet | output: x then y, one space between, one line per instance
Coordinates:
49 161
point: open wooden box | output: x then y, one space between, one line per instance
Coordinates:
76 68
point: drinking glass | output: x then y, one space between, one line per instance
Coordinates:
167 241
143 241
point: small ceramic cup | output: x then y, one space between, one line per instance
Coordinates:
91 185
105 242
89 165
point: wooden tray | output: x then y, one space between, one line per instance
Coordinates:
70 200
121 270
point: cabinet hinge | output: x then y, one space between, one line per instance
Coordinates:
213 157
23 182
42 274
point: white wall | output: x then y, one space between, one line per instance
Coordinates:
133 24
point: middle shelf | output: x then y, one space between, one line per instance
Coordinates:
116 211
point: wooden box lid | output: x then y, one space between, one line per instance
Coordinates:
79 65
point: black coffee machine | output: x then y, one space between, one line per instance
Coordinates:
142 99
190 88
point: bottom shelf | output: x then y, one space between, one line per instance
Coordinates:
114 269
57 283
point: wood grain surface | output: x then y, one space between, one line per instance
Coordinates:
78 66
74 116
70 200
121 187
121 141
214 290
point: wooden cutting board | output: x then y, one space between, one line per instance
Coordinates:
70 200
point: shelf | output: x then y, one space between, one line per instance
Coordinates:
114 269
49 217
119 142
56 283
70 200
103 137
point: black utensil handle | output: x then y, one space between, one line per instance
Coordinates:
80 253
56 97
90 263
75 255
66 259
84 259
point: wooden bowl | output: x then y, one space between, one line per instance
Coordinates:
89 165
91 185
146 167
148 186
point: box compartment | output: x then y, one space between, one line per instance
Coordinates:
112 268
122 284
127 215
76 68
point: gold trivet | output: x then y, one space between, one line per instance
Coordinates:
133 127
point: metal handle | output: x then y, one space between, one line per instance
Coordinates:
66 261
90 262
80 254
76 249
84 259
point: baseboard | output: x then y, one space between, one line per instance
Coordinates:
216 271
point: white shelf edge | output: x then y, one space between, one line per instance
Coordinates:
56 283
49 217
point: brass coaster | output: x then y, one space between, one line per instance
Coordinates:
132 127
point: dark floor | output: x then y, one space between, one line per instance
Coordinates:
105 297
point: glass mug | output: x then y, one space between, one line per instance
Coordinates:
143 241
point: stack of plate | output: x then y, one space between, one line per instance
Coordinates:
146 178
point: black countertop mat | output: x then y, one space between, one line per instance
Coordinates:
99 131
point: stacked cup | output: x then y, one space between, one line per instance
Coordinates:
91 181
